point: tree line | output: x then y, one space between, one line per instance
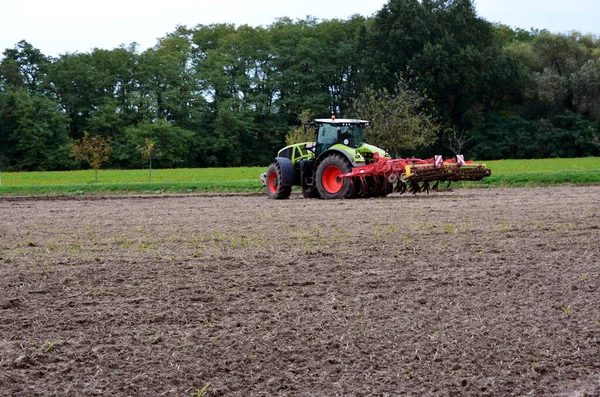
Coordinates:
226 95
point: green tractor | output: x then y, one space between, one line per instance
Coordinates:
339 165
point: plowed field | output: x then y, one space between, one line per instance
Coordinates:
466 293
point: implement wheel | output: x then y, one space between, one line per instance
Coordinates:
274 188
330 184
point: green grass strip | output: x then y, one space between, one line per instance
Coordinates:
533 179
215 175
134 188
505 173
543 165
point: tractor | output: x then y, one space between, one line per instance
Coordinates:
341 165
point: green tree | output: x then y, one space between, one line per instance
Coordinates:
236 72
513 137
398 32
24 67
32 131
173 143
568 72
167 79
505 35
444 49
399 122
301 133
98 91
317 64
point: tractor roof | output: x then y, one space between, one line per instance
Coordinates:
342 121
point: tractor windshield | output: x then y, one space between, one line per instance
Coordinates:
352 135
346 134
327 135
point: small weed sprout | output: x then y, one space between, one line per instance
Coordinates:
202 392
567 310
406 238
449 228
241 242
48 346
383 231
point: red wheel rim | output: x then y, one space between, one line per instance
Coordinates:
332 180
273 182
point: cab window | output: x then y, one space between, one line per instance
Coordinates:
328 134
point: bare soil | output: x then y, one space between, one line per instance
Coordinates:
466 293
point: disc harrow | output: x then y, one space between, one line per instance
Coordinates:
385 175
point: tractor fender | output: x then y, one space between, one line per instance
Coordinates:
287 171
337 151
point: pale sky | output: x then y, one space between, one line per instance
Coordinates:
67 26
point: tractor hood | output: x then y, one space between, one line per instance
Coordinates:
361 155
369 150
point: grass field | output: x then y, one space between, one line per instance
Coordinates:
541 172
545 165
505 173
183 180
132 176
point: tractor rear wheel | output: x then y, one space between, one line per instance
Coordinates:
330 183
274 188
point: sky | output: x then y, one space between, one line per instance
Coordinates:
67 26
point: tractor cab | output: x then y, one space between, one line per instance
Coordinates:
334 131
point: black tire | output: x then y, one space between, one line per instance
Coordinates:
329 184
274 189
310 192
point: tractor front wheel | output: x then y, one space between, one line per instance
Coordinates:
330 183
275 190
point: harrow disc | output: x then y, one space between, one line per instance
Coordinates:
450 174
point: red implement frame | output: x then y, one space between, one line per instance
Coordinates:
418 170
